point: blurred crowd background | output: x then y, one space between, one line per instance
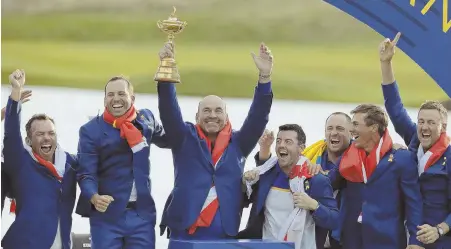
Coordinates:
321 53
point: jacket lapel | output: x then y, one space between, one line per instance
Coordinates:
140 119
265 183
382 167
207 155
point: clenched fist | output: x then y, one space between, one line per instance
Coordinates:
251 176
17 79
101 202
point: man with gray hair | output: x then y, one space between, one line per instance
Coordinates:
429 141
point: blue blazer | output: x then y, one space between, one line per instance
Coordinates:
192 160
436 181
41 199
390 197
108 166
326 217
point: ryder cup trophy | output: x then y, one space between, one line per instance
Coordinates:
167 71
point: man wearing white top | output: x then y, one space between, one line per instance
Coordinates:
288 202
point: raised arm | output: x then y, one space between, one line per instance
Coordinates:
326 215
12 141
88 160
265 143
402 122
258 115
410 188
170 114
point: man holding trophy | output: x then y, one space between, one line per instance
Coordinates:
209 156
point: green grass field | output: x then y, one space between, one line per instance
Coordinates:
320 53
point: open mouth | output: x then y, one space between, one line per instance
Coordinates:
334 141
356 137
46 148
117 106
425 135
283 154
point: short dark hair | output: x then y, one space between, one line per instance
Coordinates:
374 115
40 116
120 77
435 105
296 128
348 118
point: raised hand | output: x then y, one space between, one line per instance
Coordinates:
264 61
266 139
25 96
167 51
387 48
17 79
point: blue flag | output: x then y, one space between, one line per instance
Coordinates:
425 26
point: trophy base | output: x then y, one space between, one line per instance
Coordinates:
167 71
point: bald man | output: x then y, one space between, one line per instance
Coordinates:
209 158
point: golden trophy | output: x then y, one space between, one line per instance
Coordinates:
167 71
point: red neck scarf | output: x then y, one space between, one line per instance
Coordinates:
300 171
437 150
48 165
221 143
353 159
208 213
124 124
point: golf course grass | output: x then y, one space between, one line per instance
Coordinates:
320 53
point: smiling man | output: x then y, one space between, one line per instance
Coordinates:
382 187
113 152
326 153
43 178
429 141
274 198
209 157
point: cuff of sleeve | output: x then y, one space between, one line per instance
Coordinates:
90 190
448 222
321 211
264 88
413 240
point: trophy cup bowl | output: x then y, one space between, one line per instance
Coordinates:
167 71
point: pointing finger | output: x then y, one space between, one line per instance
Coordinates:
396 39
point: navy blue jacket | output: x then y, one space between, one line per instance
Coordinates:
41 199
194 172
435 182
109 167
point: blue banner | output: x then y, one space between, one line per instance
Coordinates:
425 26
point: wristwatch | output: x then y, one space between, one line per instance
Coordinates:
440 231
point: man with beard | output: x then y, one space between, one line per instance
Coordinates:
114 171
43 179
209 158
273 196
326 153
382 188
6 182
429 141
